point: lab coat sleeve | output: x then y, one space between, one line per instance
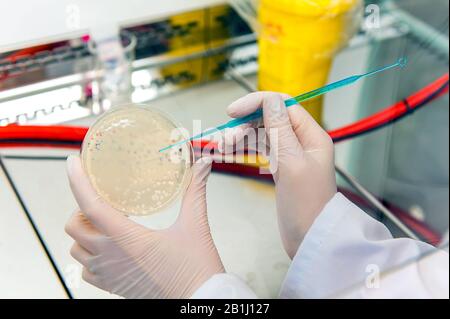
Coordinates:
224 286
345 248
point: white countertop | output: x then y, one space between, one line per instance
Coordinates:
25 270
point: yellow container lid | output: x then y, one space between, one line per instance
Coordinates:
312 7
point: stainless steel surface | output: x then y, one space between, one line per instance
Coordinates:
376 203
411 156
436 39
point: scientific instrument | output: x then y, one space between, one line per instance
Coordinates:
301 98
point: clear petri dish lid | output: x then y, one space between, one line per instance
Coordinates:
120 155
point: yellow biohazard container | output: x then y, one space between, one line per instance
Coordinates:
298 39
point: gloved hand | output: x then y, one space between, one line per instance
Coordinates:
301 160
132 261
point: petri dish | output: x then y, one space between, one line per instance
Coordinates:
120 155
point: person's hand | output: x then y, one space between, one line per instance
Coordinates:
133 261
301 160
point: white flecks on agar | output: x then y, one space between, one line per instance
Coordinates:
123 161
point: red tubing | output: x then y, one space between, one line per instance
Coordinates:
54 132
392 113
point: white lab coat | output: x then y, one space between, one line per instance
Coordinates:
348 254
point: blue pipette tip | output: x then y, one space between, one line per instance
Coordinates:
402 62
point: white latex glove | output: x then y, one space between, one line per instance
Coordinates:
132 261
304 158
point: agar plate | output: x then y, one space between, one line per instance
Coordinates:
121 157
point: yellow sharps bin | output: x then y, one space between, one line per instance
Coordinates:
297 42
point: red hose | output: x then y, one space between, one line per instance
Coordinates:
54 132
392 113
38 144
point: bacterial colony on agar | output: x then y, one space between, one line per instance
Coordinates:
121 157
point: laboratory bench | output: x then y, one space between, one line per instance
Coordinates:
36 203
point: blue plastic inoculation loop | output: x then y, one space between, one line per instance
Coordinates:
401 63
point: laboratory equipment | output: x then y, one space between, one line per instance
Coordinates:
120 156
114 56
301 98
74 18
